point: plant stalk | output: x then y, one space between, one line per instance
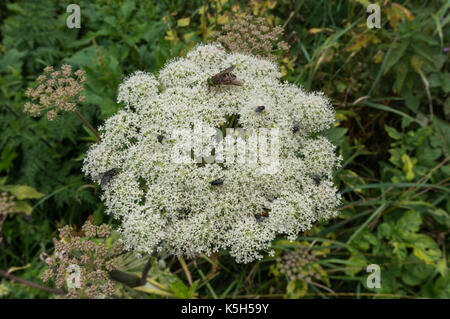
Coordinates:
89 126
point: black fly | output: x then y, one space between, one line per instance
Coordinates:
316 179
106 176
160 138
259 109
217 182
296 128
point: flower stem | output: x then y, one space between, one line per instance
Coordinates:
89 126
29 283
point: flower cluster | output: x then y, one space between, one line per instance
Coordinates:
57 91
252 35
202 207
82 264
300 264
6 203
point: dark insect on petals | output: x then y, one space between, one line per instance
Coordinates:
316 179
106 176
224 77
296 128
260 218
217 182
160 138
259 109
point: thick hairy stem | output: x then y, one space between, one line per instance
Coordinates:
89 126
145 271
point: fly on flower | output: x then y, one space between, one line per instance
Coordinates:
217 182
316 179
260 109
262 216
225 77
106 176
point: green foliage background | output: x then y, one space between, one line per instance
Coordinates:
390 89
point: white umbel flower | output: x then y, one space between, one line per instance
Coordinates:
137 88
203 206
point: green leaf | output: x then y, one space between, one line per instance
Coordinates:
7 157
296 289
411 101
408 165
126 9
396 54
23 192
385 230
442 287
11 60
193 288
392 132
22 207
409 223
441 216
425 248
438 289
335 135
416 273
445 82
401 71
86 57
184 22
364 240
396 156
151 289
180 289
355 264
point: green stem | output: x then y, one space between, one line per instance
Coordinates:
89 126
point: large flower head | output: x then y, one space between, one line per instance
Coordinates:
201 168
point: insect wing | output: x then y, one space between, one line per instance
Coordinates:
227 70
